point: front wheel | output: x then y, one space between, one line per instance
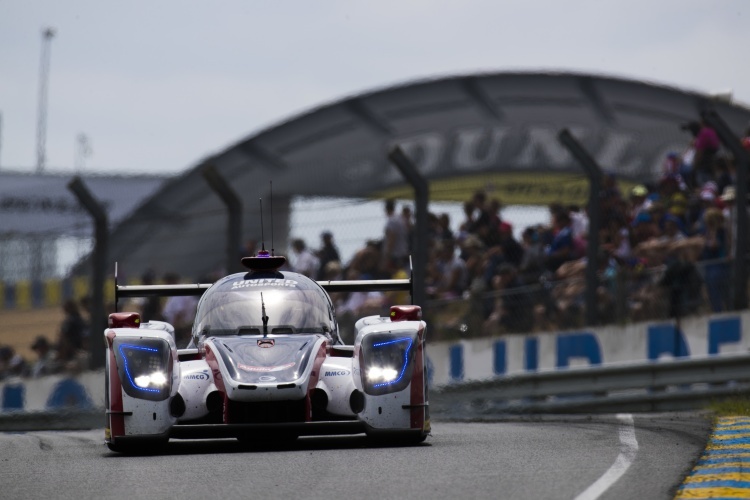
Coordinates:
397 438
149 446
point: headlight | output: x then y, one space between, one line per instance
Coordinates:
387 361
143 366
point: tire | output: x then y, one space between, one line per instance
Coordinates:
149 446
254 441
397 438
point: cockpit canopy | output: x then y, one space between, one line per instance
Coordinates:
235 305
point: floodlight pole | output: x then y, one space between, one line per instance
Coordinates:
234 209
421 199
594 173
41 124
99 265
742 162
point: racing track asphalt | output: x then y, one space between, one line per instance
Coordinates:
523 458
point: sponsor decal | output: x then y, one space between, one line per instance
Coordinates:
44 204
266 282
266 378
336 373
266 343
196 376
264 368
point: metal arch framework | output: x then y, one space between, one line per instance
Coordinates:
464 127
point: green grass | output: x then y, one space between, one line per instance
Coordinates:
732 406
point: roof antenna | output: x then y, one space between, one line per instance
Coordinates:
271 194
264 261
262 237
116 286
264 317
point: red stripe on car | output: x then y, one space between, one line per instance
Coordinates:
320 356
116 418
417 396
213 363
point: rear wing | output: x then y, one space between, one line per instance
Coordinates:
196 290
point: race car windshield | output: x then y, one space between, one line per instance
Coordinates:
239 309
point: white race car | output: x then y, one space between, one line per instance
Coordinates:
265 361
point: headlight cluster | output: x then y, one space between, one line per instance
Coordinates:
387 361
143 366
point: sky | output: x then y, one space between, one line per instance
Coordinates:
156 86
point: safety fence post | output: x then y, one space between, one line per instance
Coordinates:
99 267
422 197
742 162
594 173
221 187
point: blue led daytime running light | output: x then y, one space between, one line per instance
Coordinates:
406 359
127 370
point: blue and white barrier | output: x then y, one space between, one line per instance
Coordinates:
480 359
472 359
55 392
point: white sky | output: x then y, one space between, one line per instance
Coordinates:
158 85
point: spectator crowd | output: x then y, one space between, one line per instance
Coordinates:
665 251
67 354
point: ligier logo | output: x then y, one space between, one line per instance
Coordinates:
336 373
264 282
196 376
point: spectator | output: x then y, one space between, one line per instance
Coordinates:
465 227
304 261
532 263
12 364
407 216
395 272
179 312
151 306
485 223
722 173
513 306
730 216
356 305
450 272
682 282
512 249
444 222
395 236
616 239
706 146
562 247
637 200
579 222
715 270
72 332
328 253
672 230
45 363
473 254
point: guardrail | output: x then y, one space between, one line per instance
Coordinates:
650 386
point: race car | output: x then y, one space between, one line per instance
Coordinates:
265 361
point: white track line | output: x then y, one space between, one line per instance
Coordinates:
628 450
